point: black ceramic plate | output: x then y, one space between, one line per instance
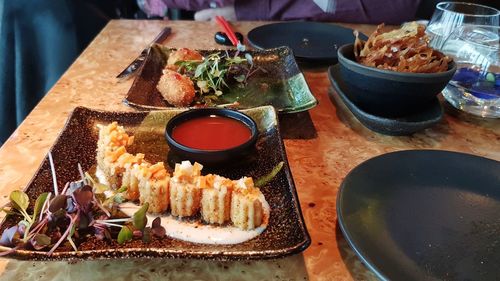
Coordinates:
404 125
424 215
286 233
280 83
310 41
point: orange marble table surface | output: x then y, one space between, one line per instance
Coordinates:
335 143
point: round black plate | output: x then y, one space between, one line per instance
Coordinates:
310 41
424 215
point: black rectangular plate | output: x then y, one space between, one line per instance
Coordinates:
286 233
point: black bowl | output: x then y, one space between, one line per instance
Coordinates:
390 93
211 157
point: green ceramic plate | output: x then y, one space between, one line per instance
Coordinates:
280 83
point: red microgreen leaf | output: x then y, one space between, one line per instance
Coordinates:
156 228
84 197
58 203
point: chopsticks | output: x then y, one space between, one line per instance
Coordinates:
227 29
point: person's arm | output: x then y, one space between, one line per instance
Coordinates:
355 11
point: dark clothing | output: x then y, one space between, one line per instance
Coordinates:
39 39
354 11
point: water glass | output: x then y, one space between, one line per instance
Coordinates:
475 87
450 15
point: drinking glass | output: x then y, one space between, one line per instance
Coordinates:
475 87
450 15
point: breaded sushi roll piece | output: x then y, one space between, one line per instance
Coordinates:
130 178
115 167
113 135
111 138
185 192
176 89
246 206
111 168
154 187
182 54
215 198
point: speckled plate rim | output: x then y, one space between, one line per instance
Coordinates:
302 107
152 252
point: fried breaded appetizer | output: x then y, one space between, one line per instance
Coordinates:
246 206
176 89
154 187
215 198
182 54
185 192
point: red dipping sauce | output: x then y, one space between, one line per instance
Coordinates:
211 133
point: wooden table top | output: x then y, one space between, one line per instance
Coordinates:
331 143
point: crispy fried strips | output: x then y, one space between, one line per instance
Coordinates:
403 50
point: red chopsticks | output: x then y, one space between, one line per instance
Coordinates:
227 29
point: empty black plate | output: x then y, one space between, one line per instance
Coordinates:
310 41
424 215
404 125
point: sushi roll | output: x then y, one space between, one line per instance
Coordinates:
111 168
153 185
185 192
246 205
112 137
130 177
215 198
111 144
115 168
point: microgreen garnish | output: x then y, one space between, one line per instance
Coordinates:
156 228
39 204
82 208
267 178
216 71
20 201
53 171
40 241
140 220
125 234
138 227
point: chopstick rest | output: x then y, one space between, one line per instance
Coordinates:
222 38
227 29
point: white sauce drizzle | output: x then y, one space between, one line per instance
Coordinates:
200 233
194 231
